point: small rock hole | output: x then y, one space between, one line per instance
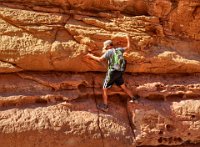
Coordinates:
169 127
160 140
160 132
193 116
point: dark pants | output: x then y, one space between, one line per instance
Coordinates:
113 77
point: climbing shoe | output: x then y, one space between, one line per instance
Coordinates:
102 107
134 99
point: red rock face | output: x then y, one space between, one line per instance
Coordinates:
49 90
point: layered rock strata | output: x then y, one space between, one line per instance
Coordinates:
49 90
167 113
32 39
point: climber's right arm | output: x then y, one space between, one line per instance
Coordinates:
95 57
128 42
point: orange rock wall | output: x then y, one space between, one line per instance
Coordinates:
42 64
56 35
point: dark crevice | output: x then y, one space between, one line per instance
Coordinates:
51 62
158 97
195 11
72 36
56 34
68 31
27 77
98 121
41 101
174 3
130 122
175 96
15 65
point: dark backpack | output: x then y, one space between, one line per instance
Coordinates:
117 61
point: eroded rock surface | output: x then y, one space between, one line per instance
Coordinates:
165 109
48 39
49 90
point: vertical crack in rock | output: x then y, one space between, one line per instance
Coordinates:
69 4
72 35
51 61
130 123
56 34
98 121
68 31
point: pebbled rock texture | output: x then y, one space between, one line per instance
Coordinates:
49 90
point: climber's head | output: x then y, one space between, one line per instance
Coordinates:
107 44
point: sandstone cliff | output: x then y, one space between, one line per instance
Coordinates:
49 90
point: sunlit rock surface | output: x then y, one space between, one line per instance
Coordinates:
49 90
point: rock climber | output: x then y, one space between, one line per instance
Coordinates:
116 68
